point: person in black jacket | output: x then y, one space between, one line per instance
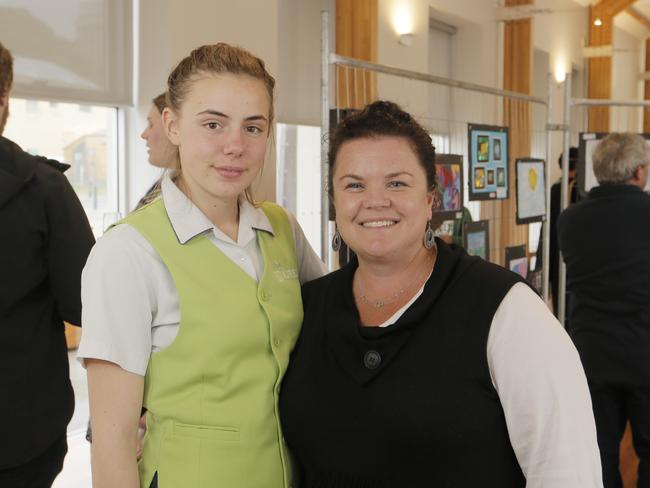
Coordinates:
418 365
556 201
605 241
46 239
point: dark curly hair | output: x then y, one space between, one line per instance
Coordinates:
384 118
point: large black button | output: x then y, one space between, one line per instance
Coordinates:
372 360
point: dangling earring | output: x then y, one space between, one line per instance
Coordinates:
336 241
429 240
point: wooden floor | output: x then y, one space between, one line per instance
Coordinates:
629 461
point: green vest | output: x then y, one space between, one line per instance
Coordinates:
212 395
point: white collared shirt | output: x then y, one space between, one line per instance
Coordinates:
130 302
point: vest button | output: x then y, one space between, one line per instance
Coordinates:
372 359
266 296
277 341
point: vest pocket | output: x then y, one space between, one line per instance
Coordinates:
210 432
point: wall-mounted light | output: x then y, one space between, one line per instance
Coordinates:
560 71
406 39
598 22
403 24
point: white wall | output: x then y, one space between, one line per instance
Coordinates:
626 85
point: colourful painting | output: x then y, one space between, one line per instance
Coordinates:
516 260
488 162
483 148
531 191
449 176
477 238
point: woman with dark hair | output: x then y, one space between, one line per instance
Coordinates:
417 364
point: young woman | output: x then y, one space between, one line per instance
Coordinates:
192 304
418 365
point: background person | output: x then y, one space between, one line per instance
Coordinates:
606 245
201 308
418 365
162 153
46 240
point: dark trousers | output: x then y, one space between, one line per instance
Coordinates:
613 406
39 472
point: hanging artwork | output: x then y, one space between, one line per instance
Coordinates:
477 238
488 162
585 168
531 190
535 280
449 176
516 260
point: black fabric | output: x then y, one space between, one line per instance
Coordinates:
46 240
606 245
605 241
613 406
39 472
426 414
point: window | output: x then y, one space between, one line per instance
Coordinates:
85 139
299 177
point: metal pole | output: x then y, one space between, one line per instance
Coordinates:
325 122
601 102
565 195
546 229
438 80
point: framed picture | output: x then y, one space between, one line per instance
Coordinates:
516 260
585 168
535 280
488 162
531 190
449 174
477 238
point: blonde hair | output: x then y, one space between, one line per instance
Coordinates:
218 58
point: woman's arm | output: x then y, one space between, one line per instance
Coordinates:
115 405
537 373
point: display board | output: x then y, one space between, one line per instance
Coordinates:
531 190
488 162
516 260
535 279
585 169
449 177
477 238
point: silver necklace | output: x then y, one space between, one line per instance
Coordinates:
381 303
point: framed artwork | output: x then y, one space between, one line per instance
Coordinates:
535 280
531 190
477 238
449 174
488 162
585 168
516 260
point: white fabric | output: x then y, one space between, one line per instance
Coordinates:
130 303
543 391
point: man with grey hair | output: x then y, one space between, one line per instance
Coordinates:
46 240
605 242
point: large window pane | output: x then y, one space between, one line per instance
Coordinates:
83 136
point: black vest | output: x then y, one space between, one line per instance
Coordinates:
405 406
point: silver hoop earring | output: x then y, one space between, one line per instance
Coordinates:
429 239
336 241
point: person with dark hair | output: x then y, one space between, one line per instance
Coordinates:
200 310
608 280
45 244
556 201
418 365
162 153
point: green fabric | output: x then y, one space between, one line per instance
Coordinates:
212 395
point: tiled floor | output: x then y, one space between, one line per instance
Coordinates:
76 469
